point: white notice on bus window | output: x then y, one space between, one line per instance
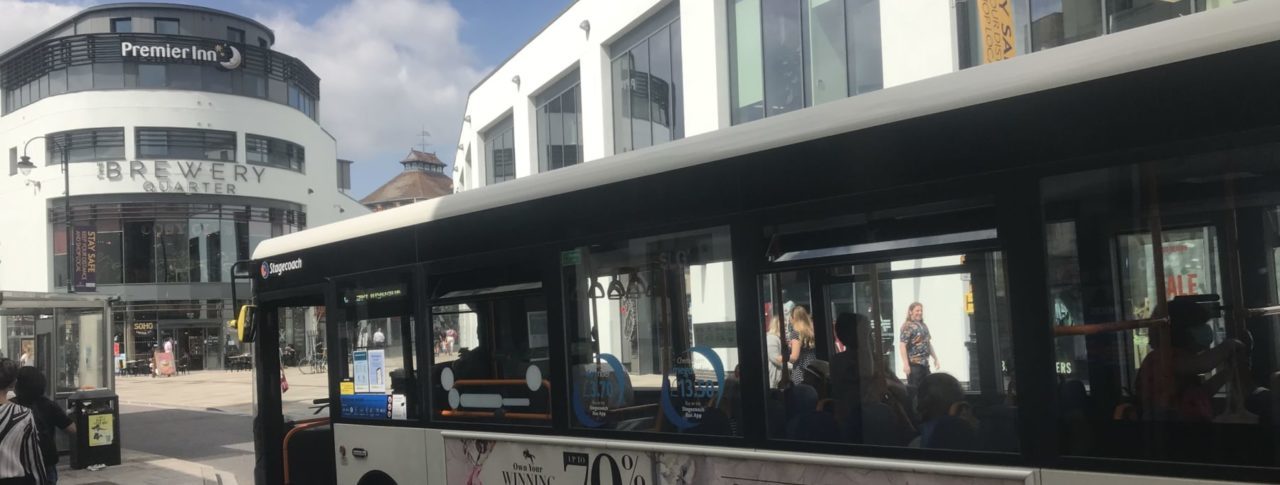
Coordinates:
360 360
398 407
377 371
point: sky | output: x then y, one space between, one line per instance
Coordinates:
406 65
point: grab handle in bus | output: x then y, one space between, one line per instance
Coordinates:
1097 328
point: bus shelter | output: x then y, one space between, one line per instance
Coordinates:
66 336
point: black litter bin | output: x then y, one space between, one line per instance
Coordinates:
97 417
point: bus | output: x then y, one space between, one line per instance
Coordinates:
1052 269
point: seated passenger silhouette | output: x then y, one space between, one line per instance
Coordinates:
1171 386
946 419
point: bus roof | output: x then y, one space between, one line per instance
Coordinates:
1243 25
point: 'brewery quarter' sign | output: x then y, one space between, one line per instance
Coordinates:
182 176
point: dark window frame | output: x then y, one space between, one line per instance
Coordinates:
497 134
115 22
103 143
274 152
665 22
158 21
147 141
235 35
554 97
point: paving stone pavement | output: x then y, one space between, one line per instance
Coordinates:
229 393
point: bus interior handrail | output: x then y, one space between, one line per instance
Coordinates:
1108 327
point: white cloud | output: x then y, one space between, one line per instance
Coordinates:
26 19
387 68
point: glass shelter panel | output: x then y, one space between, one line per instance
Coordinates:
652 334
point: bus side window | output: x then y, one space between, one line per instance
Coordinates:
652 334
491 360
1166 350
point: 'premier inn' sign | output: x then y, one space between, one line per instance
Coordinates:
181 176
226 55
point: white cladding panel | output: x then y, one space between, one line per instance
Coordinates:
27 241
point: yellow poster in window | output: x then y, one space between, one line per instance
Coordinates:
995 22
101 429
346 387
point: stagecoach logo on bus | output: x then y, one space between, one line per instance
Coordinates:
226 56
277 269
180 176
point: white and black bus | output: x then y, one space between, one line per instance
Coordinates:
953 280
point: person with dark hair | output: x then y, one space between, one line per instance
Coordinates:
947 420
21 462
30 392
1170 386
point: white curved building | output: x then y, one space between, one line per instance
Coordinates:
189 140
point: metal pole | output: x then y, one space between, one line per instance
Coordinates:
66 204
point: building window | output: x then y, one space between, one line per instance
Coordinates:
274 152
186 144
788 54
122 25
304 102
560 125
500 143
13 161
344 176
235 35
167 26
84 145
262 42
647 75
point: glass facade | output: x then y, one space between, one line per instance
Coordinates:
167 243
181 143
65 65
1060 22
647 76
84 145
560 128
788 54
500 143
274 152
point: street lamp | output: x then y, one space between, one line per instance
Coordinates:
25 166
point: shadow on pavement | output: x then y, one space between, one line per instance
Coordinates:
184 434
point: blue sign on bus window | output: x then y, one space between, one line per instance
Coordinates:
366 406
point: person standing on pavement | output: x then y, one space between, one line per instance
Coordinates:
915 346
49 416
21 462
379 339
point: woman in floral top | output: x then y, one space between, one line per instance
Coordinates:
916 346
